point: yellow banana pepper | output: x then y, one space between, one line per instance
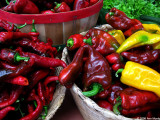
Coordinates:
156 45
152 28
137 39
141 77
118 35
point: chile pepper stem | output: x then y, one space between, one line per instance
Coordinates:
111 13
115 108
7 2
45 112
57 5
88 41
96 88
19 27
33 26
70 42
18 58
118 71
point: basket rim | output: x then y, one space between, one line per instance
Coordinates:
52 18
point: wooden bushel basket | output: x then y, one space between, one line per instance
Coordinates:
88 108
57 26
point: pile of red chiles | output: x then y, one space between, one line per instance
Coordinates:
45 6
96 61
27 73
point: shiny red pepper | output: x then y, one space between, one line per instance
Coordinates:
105 104
79 4
146 57
8 37
25 7
9 7
119 20
98 73
102 41
133 101
92 2
48 11
61 7
75 41
4 24
7 66
4 111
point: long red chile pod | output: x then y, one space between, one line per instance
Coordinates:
40 91
142 58
4 111
7 66
45 62
20 80
35 114
4 24
13 97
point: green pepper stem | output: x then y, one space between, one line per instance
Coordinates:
96 88
19 27
115 108
88 41
18 58
118 71
7 2
70 42
57 5
45 112
111 13
33 26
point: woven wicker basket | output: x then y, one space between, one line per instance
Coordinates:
88 108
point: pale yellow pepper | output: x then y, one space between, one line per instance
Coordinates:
152 28
141 77
137 39
118 35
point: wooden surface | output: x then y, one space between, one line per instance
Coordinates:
68 110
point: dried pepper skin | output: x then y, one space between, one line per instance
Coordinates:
146 57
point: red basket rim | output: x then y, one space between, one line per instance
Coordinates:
51 18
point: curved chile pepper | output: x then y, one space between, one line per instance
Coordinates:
35 114
40 91
135 101
4 111
20 80
45 62
25 7
21 69
4 24
102 41
15 93
98 73
79 4
8 66
11 56
143 58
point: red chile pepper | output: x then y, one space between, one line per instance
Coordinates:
75 41
133 101
4 24
117 66
7 66
11 56
45 62
61 7
40 91
15 93
35 114
143 58
36 77
4 111
98 75
102 41
34 34
114 58
9 7
22 69
105 104
48 11
52 88
40 48
92 2
25 7
8 37
20 80
30 108
79 4
103 94
119 20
